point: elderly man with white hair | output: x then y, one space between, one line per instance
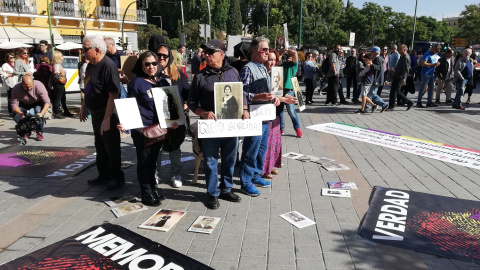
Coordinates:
102 86
463 72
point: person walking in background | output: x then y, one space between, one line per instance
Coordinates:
350 73
428 63
365 77
377 68
333 76
101 88
9 79
399 78
463 72
196 61
43 51
444 74
21 66
310 67
59 81
386 61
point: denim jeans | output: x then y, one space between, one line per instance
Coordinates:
461 85
429 80
175 163
372 94
290 110
210 149
32 111
253 154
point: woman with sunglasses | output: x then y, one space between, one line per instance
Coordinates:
9 79
140 88
21 67
169 71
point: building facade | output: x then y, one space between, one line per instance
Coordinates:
26 21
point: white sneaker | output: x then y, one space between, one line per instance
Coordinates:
176 181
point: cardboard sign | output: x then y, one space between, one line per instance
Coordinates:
285 34
127 64
263 112
229 128
298 94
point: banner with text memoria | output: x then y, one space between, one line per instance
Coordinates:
423 222
229 128
439 151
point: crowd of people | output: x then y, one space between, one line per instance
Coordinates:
102 81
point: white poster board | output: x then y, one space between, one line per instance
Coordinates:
285 34
169 106
351 41
128 113
262 112
229 128
298 94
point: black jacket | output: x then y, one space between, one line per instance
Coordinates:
403 67
442 70
350 66
377 68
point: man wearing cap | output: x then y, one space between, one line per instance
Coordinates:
428 63
377 68
201 101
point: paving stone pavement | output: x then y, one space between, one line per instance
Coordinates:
36 212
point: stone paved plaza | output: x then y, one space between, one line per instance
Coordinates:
36 212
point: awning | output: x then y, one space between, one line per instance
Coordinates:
31 35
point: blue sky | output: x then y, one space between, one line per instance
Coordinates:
446 8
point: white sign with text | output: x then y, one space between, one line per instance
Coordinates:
229 128
263 112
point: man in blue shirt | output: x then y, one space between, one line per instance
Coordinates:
428 63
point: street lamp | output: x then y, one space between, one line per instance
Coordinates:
414 24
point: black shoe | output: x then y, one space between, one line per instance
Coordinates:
419 105
355 101
384 108
150 200
115 184
213 202
449 101
97 181
390 109
158 196
432 105
348 97
437 100
58 116
409 105
344 102
68 114
230 196
311 101
335 104
359 111
374 107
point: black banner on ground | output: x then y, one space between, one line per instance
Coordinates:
423 222
106 247
45 161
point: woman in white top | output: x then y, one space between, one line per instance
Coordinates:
59 81
21 67
9 80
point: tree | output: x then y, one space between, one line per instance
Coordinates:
193 38
83 9
234 23
220 14
146 31
469 24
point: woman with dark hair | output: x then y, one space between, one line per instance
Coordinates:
141 89
9 79
169 71
229 104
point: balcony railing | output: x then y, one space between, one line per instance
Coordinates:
64 9
113 13
20 6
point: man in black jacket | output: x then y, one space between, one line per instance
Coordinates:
402 69
444 73
350 72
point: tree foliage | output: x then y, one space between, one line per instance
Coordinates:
234 22
146 31
469 24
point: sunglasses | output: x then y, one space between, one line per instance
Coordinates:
162 56
147 64
25 53
85 49
11 57
264 50
210 52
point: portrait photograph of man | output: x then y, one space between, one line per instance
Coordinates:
204 224
277 81
228 100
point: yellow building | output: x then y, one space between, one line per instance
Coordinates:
27 21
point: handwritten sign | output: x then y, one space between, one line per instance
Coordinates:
229 128
263 112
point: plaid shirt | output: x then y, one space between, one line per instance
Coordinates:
246 77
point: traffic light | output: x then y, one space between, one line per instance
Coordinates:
142 4
120 41
445 46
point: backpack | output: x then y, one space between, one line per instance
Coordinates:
325 67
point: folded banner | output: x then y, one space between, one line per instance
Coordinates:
105 247
423 222
229 128
439 151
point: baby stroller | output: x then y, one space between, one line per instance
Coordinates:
27 125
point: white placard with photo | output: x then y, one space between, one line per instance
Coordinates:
128 113
169 106
228 100
335 192
229 128
263 112
297 219
204 224
276 75
298 94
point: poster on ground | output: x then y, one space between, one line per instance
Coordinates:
108 247
428 223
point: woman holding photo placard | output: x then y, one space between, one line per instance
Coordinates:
141 89
169 71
